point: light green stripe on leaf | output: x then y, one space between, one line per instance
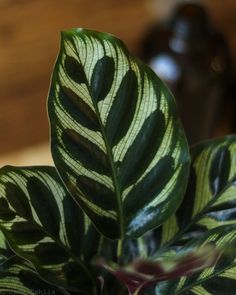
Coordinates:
116 141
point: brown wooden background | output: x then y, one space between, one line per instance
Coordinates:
29 40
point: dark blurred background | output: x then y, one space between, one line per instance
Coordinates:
29 43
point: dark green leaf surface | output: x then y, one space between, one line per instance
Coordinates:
17 276
5 252
143 273
115 135
44 225
210 200
21 279
211 196
209 205
217 280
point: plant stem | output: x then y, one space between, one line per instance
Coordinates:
119 251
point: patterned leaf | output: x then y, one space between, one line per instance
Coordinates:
209 203
44 225
217 280
211 196
5 252
210 200
115 135
143 273
18 276
21 279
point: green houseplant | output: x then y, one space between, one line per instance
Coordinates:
124 210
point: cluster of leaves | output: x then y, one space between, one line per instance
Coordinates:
124 210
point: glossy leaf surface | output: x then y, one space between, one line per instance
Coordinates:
116 138
209 204
44 225
208 209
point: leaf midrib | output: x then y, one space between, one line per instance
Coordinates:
206 279
114 175
111 162
75 258
197 216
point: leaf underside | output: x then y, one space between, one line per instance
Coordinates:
116 138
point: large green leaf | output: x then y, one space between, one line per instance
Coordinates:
210 200
116 138
20 278
209 204
208 208
44 225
